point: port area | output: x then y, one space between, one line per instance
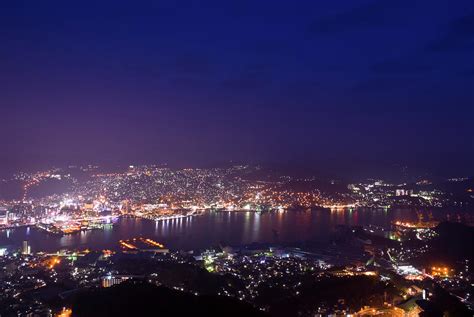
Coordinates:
76 225
140 244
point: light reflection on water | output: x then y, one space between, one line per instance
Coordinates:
213 228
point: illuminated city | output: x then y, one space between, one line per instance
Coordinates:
237 158
397 255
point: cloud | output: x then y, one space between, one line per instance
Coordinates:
371 14
436 56
459 36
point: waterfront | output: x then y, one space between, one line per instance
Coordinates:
213 229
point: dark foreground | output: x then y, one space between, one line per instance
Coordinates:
143 299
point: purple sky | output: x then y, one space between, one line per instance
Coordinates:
341 86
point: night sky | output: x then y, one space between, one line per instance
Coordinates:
342 86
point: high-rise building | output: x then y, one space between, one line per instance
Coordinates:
25 248
3 217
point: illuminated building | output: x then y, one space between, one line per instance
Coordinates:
65 312
404 192
25 248
109 280
441 271
3 216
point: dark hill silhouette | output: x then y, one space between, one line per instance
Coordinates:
455 241
136 298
